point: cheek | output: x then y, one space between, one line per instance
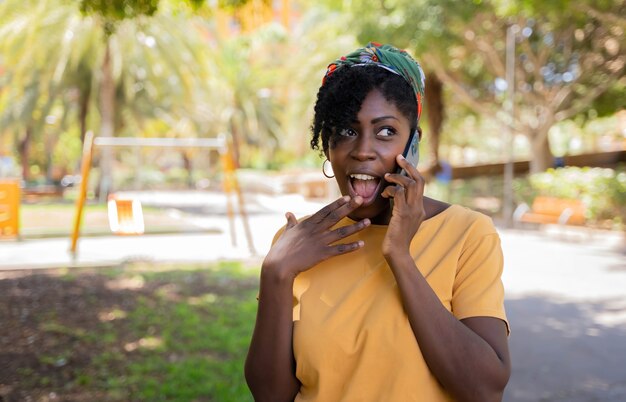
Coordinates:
337 152
390 154
334 140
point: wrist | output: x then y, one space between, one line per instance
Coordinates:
275 274
398 257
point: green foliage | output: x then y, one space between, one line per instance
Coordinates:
555 10
209 339
603 191
114 11
50 59
607 103
118 10
182 335
202 338
267 90
68 150
230 4
421 26
567 54
176 76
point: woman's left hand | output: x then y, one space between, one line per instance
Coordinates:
408 208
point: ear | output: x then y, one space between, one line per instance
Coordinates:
327 155
419 132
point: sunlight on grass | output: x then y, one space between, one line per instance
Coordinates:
148 343
131 282
137 332
208 298
190 334
111 315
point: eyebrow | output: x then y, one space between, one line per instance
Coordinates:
379 119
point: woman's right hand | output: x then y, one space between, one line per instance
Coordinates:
311 241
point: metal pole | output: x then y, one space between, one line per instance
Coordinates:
85 167
507 207
217 143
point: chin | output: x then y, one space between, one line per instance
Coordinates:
376 211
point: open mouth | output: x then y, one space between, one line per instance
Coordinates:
365 185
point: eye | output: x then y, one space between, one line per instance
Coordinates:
347 132
386 132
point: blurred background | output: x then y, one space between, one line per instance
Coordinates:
149 149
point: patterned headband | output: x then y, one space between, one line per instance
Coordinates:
391 59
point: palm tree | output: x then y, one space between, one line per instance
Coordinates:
147 68
271 76
32 33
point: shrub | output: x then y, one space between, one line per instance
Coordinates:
602 190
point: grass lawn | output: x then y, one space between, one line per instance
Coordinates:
132 333
56 219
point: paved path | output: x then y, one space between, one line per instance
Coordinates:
566 294
213 239
566 301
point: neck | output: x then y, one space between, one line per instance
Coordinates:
431 207
382 218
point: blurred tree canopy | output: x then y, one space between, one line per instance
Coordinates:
164 72
568 56
119 9
195 68
62 65
111 13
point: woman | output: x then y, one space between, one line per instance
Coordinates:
373 300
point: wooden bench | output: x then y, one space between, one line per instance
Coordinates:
36 193
551 210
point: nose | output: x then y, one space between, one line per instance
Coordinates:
364 148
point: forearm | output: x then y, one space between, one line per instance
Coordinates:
463 362
270 367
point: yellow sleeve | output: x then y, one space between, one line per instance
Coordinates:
478 289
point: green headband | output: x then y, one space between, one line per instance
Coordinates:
391 59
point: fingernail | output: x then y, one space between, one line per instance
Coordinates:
401 156
361 243
346 198
366 222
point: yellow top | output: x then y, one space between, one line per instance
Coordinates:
352 339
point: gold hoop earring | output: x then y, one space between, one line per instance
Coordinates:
324 169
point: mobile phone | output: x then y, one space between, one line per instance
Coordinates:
411 151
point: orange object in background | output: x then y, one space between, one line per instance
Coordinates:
9 208
125 216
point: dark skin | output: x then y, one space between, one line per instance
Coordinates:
468 357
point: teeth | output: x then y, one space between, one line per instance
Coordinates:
362 177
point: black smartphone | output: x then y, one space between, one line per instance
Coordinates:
411 154
411 151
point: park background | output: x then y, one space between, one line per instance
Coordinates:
525 99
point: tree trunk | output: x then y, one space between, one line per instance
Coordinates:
189 168
541 158
24 150
107 107
84 111
54 174
433 104
234 131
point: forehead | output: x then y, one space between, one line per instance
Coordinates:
375 105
